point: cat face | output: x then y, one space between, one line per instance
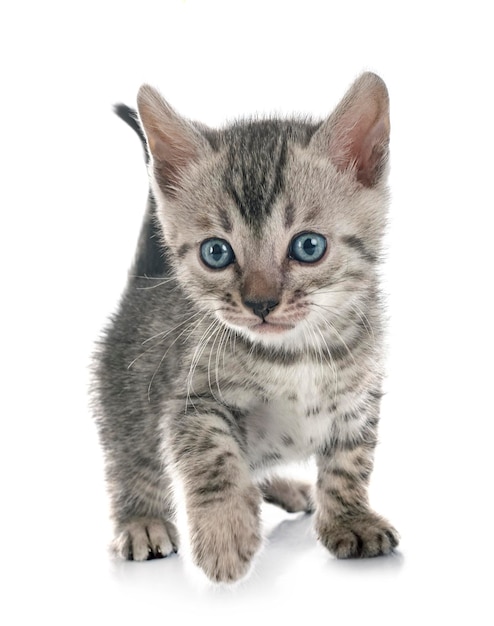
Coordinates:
273 226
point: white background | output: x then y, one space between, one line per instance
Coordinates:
73 190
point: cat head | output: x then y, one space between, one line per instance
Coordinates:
274 226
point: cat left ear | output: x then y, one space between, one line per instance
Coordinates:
356 136
173 141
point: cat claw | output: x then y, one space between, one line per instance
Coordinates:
365 537
146 539
155 553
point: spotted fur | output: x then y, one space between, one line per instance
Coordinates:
197 388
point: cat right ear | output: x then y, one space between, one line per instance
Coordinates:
173 142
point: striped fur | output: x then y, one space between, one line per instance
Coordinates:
195 391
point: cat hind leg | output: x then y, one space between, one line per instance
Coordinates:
289 494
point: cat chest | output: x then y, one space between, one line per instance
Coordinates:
293 423
289 411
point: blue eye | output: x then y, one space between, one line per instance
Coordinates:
216 253
308 247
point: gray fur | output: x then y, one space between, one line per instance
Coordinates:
193 395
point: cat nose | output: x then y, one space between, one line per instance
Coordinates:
261 308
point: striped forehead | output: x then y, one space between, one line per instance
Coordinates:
255 169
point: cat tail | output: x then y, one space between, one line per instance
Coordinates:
149 260
130 117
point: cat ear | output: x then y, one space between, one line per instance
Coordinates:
173 141
356 135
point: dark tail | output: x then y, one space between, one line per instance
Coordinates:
129 116
149 260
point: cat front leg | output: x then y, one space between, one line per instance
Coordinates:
221 501
140 492
345 523
142 509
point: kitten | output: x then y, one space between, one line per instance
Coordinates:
250 333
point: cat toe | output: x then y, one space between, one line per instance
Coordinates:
368 536
146 539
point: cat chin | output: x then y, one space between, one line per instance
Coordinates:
269 328
269 334
288 338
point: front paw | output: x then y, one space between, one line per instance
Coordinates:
225 538
145 538
367 535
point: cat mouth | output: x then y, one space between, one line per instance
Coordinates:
265 327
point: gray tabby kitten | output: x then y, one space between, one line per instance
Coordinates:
259 341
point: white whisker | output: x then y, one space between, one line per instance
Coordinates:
145 277
168 349
201 346
335 331
221 346
365 321
163 281
211 351
163 335
356 309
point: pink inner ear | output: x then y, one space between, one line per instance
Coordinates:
173 142
359 140
370 159
171 149
171 156
356 136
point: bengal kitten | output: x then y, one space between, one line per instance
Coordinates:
250 333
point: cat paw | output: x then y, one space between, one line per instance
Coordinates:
225 539
291 495
143 539
365 536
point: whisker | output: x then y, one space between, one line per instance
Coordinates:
201 346
329 288
166 352
360 314
216 333
163 281
330 362
151 286
335 331
145 277
164 334
365 321
315 345
221 346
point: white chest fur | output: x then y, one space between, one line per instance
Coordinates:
296 420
